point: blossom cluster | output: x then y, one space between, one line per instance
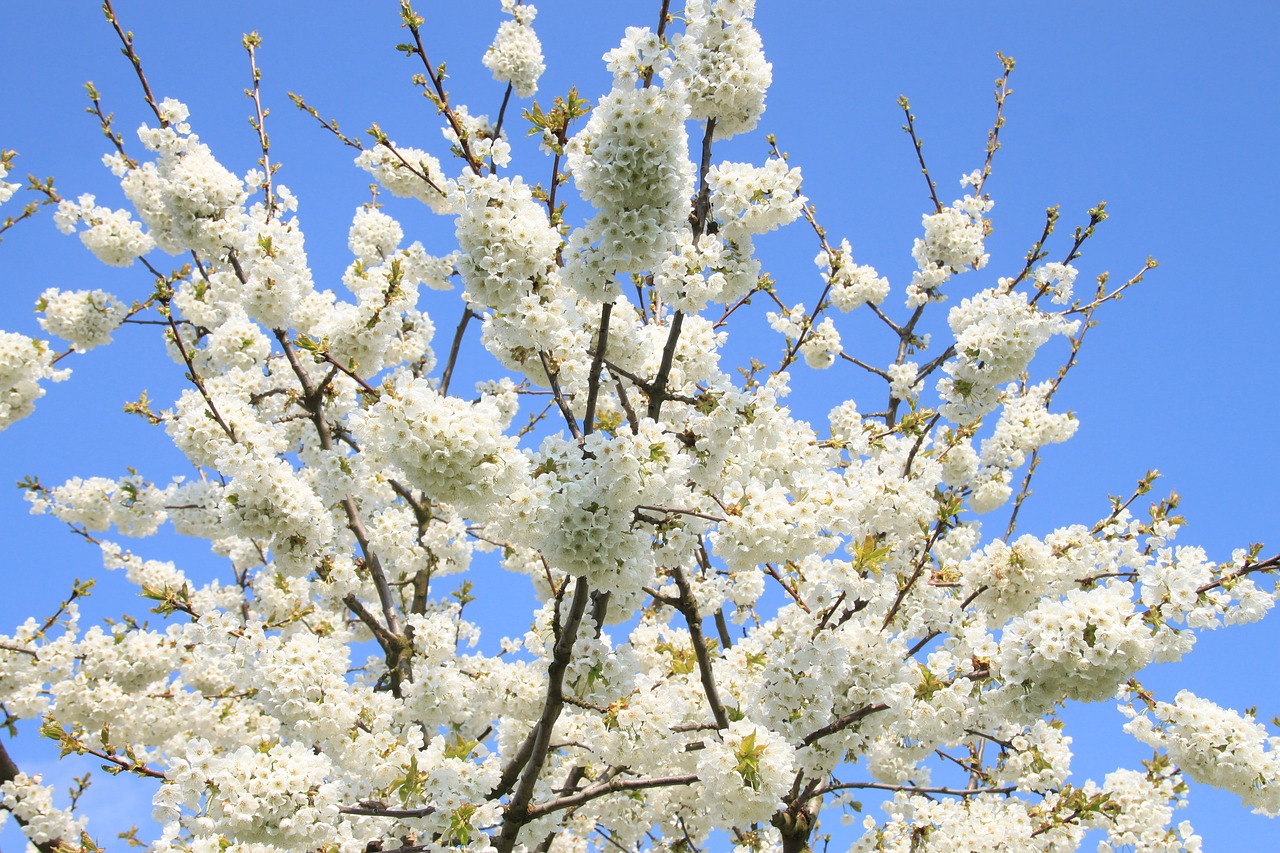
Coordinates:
24 363
1215 745
7 189
85 318
631 162
515 57
719 61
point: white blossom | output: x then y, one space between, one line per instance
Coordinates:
85 318
24 363
454 451
515 57
631 161
1217 746
6 189
31 801
720 63
852 285
112 235
747 772
408 173
1082 646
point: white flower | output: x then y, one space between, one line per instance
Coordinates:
374 236
30 801
452 450
84 318
112 235
1058 279
24 362
6 189
639 50
409 173
631 161
852 285
1216 746
508 248
748 200
821 346
954 236
1080 647
903 382
515 57
747 772
720 62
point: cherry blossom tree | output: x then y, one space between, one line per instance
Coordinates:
745 622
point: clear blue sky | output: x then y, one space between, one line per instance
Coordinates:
1168 111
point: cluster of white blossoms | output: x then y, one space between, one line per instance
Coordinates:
747 771
640 52
997 334
970 825
85 318
275 794
852 285
697 273
819 342
96 504
455 452
507 249
185 197
1024 425
31 803
954 241
631 161
515 57
748 200
904 379
24 363
6 189
1058 279
409 173
719 60
740 619
113 236
1214 745
584 509
1143 808
1082 646
1037 758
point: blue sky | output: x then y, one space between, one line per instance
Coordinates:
1165 110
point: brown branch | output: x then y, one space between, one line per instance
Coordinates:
658 389
441 97
373 808
126 39
910 128
454 347
561 402
843 723
258 123
993 136
593 792
502 116
533 752
688 607
916 789
671 510
597 362
192 374
331 126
